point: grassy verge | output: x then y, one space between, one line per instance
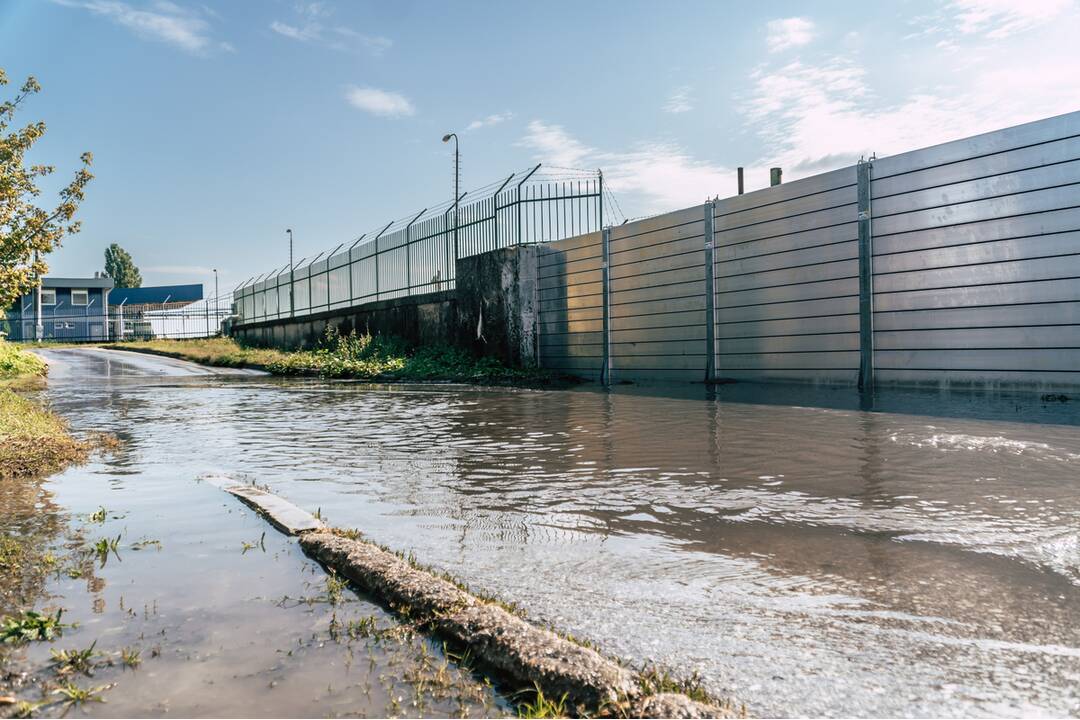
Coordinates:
33 441
366 357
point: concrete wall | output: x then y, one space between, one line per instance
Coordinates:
492 312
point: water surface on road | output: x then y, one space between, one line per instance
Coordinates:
809 558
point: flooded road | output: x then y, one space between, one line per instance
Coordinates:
802 555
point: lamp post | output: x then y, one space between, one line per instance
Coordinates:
457 188
216 301
292 305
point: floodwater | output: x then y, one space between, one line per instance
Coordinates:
803 555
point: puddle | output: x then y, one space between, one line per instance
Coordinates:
802 555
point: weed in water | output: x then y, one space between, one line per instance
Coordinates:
104 546
73 695
32 626
26 709
252 545
541 706
334 588
75 661
99 515
131 657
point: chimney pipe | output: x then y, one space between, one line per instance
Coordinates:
774 176
740 181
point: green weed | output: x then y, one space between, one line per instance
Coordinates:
32 626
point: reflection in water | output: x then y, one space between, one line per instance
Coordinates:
804 555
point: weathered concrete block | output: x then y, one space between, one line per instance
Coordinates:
498 300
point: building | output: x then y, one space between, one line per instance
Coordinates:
71 309
169 296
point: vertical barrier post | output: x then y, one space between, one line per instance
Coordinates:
605 243
866 277
710 296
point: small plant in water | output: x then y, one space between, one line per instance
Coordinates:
334 588
252 545
104 546
25 708
32 626
75 661
131 657
541 706
99 515
74 695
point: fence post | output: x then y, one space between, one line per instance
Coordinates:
866 276
605 251
710 296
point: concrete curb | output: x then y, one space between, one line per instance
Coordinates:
513 648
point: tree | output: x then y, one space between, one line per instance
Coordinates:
27 232
121 268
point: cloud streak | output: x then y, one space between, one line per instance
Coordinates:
164 22
680 101
490 120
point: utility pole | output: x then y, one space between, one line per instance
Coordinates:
457 186
39 328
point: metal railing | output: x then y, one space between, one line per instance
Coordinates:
418 254
152 321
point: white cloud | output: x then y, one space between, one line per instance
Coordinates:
996 19
339 37
788 33
290 31
817 117
379 102
374 44
490 120
680 101
651 177
163 22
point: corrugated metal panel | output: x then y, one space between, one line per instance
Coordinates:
571 306
977 259
787 282
658 298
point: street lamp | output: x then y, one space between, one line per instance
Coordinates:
292 307
217 302
457 189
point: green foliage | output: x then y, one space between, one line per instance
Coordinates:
541 706
14 363
29 232
30 626
75 661
121 268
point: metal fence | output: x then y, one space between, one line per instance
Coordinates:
418 254
956 264
152 321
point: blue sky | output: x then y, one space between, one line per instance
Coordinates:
215 126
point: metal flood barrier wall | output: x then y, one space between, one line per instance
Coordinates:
955 264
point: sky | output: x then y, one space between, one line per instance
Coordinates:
216 126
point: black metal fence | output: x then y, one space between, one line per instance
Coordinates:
175 321
418 254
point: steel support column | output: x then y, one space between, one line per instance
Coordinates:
864 175
605 245
710 296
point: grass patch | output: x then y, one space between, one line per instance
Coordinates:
20 370
379 358
33 441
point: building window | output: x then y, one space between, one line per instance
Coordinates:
48 297
80 298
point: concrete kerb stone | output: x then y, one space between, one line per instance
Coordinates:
511 646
